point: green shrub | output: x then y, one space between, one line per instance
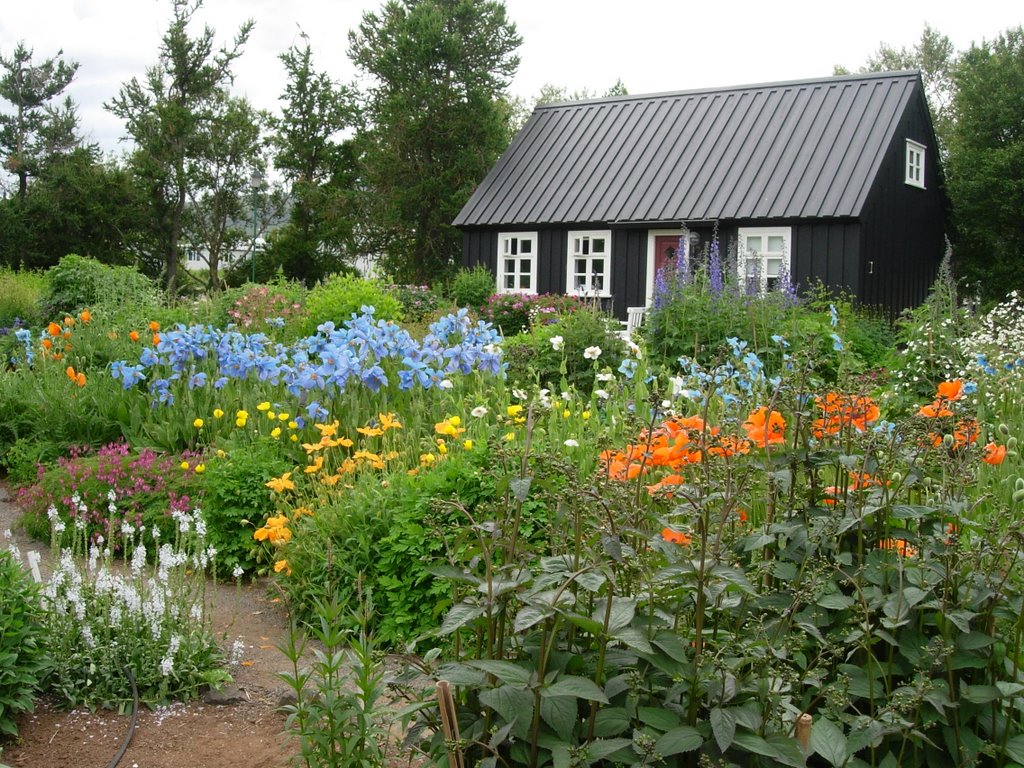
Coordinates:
419 302
533 354
339 297
471 287
516 313
20 295
77 282
236 500
23 660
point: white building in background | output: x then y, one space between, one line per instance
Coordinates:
197 259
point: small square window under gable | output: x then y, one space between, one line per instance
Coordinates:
915 164
588 271
517 262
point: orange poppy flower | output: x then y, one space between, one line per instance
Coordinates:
53 329
935 410
80 379
70 372
154 326
994 454
85 316
765 427
134 335
676 537
950 390
156 339
69 322
47 344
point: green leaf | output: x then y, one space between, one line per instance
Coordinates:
586 624
835 601
505 671
634 639
520 488
828 740
723 726
962 619
672 645
580 687
459 615
515 705
599 749
980 694
529 616
561 713
678 740
659 719
1015 749
611 721
974 640
622 612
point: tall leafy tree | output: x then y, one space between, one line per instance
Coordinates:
168 115
936 58
985 167
215 218
36 129
437 120
319 166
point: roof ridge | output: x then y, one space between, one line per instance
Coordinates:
730 88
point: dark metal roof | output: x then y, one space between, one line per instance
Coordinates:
808 148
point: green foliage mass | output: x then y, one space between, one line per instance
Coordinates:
236 500
23 658
78 283
471 287
986 165
341 296
21 294
439 69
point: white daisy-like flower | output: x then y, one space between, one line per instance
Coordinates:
601 394
446 384
570 443
605 377
592 353
557 342
479 412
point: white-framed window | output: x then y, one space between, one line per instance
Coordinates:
764 257
588 271
915 164
517 262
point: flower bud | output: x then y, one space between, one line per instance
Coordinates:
947 441
1019 485
897 477
1018 496
1004 430
1011 443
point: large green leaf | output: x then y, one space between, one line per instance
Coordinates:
505 671
723 726
459 616
1015 749
515 705
828 740
580 687
611 721
680 739
659 719
561 713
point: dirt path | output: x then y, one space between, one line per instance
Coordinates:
241 728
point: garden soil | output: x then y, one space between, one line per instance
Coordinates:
241 727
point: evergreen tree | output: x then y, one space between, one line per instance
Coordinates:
319 167
171 117
37 130
437 121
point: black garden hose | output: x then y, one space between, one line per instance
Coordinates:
131 726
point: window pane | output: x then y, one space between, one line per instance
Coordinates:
581 267
575 245
510 282
753 267
524 282
598 283
510 266
774 266
524 266
598 267
598 245
586 246
754 244
526 246
776 243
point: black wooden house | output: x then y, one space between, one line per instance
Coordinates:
834 179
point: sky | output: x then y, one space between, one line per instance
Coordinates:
651 45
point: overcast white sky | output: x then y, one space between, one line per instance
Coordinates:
652 45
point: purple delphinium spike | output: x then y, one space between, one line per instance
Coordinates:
683 261
786 287
661 289
715 278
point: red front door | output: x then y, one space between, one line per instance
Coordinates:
665 247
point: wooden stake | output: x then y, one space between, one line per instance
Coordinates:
803 731
449 723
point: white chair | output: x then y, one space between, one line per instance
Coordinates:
634 319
